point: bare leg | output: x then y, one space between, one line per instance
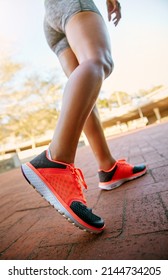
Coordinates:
92 128
95 135
92 51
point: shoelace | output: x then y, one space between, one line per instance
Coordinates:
79 175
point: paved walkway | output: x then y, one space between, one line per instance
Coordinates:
136 214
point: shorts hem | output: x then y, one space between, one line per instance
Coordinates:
80 11
59 52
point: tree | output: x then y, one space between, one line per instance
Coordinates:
119 98
116 99
27 108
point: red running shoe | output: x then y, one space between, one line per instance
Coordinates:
120 173
61 185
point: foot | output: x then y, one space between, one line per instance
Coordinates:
61 185
120 173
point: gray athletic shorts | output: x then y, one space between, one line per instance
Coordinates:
57 14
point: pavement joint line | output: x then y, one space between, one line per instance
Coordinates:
33 208
16 221
11 244
98 198
24 210
163 205
122 230
150 232
151 174
7 217
69 251
120 233
124 218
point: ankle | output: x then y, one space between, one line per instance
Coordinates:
64 158
107 164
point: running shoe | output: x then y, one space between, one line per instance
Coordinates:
120 173
61 185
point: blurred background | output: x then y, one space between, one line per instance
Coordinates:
32 82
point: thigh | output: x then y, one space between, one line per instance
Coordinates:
88 36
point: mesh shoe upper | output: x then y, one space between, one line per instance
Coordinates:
64 179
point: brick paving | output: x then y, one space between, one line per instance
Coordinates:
136 214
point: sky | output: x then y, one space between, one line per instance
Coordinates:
139 42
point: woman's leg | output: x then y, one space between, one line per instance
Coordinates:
95 135
92 128
92 50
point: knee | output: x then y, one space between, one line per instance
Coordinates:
105 64
108 65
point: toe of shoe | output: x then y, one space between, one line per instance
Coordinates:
86 214
139 168
99 223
